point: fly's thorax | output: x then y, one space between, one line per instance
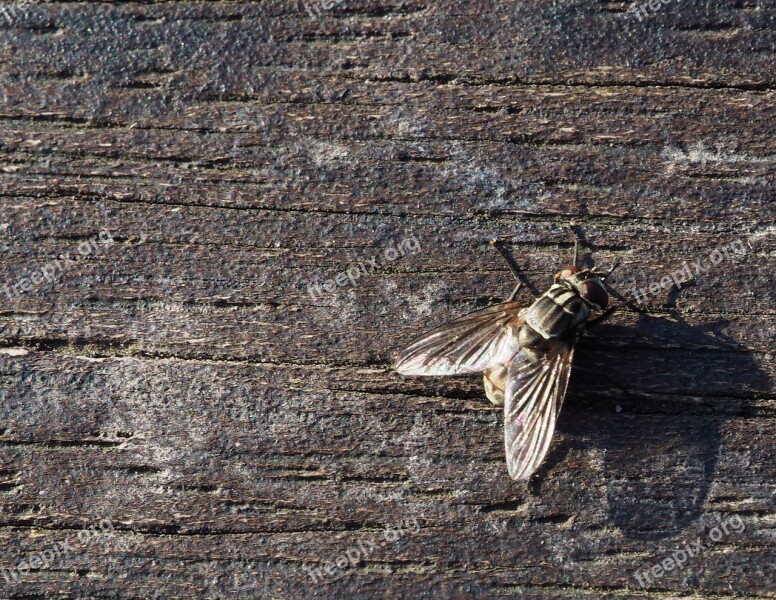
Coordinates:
559 311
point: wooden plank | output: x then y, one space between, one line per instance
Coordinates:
240 434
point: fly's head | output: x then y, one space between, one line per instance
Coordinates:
587 283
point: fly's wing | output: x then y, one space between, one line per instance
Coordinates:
468 344
536 385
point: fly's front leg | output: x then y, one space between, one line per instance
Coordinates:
577 235
514 269
602 317
575 257
624 303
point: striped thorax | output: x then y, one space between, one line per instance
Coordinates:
563 310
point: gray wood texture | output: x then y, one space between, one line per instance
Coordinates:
232 436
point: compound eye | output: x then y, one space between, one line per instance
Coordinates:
593 291
567 272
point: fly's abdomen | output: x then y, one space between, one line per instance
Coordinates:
557 312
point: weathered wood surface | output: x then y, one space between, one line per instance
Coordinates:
182 384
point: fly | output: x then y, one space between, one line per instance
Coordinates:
524 354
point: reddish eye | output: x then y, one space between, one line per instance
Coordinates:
593 291
568 272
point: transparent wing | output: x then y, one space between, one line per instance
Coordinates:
536 385
468 344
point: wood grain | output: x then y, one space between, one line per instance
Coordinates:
242 435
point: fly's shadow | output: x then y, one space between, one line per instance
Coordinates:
645 402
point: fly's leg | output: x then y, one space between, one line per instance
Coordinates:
616 265
624 303
602 317
577 236
513 295
514 269
575 257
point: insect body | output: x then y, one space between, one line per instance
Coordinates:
525 356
